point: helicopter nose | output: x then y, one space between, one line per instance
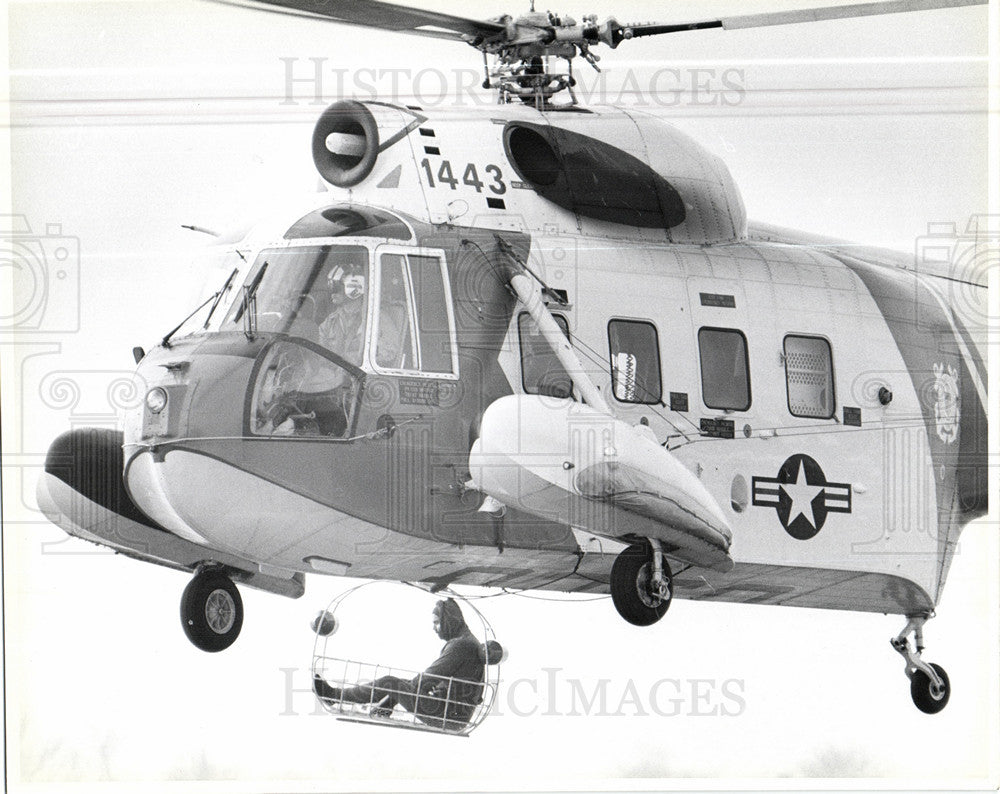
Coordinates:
81 487
195 389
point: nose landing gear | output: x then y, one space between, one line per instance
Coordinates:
641 583
929 685
211 610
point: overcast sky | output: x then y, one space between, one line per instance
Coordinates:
130 119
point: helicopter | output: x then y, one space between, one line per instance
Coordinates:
508 415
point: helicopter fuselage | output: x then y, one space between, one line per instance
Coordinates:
829 401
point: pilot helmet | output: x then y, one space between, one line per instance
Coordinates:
347 280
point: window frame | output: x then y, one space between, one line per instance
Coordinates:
746 363
250 271
376 310
659 360
263 356
833 380
563 322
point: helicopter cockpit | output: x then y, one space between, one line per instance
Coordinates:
315 298
341 292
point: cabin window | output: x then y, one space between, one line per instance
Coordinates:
725 369
809 376
635 361
541 372
415 327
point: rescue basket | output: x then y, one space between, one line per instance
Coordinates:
357 689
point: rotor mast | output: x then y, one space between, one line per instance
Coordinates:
530 47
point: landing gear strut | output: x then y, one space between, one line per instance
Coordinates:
929 685
211 610
641 584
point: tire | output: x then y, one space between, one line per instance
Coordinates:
629 593
923 697
211 611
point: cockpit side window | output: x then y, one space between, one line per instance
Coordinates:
432 313
415 328
396 345
300 390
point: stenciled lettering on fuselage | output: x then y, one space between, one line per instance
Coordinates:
801 496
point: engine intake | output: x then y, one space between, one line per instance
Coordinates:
345 143
592 177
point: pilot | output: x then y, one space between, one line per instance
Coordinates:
436 696
310 400
343 331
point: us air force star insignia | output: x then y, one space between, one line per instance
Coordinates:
801 496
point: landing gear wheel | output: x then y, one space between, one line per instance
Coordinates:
927 697
211 611
632 589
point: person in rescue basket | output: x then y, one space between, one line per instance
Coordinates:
444 695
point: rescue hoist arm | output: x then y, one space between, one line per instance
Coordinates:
529 294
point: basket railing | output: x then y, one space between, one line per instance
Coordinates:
426 702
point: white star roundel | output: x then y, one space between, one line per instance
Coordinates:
801 496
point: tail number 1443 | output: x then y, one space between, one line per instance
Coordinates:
470 177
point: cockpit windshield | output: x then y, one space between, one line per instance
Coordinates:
316 292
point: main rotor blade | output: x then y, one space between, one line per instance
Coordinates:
288 12
382 15
800 15
841 12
